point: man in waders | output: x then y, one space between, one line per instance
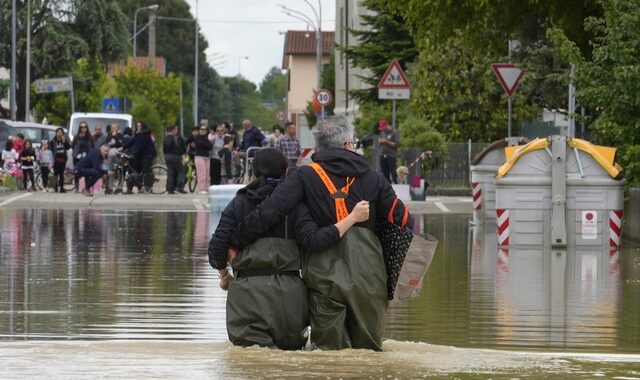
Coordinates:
347 282
267 303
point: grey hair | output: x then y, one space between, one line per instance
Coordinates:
332 133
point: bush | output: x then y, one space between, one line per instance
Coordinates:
417 132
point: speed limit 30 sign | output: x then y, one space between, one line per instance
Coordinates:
323 97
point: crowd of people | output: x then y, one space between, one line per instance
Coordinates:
218 154
303 248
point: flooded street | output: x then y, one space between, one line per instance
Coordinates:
124 294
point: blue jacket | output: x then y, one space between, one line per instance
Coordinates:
93 160
252 138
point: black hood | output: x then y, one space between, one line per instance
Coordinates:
342 162
259 193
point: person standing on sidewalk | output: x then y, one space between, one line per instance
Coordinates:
389 140
99 138
174 148
59 147
202 149
217 143
28 159
45 159
290 145
82 144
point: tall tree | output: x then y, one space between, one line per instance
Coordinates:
608 80
384 38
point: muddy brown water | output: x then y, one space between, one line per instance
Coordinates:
124 294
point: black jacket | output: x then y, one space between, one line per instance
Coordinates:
299 224
93 160
305 186
173 145
203 146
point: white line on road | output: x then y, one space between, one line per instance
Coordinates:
442 207
4 203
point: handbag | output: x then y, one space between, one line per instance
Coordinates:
406 258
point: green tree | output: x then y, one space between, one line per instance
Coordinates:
384 38
418 132
91 84
273 88
163 93
608 81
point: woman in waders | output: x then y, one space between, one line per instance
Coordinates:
267 304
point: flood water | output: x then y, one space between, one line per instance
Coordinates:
122 294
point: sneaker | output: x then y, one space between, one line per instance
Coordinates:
171 192
63 190
203 192
87 192
181 191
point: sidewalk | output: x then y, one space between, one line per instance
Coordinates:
182 202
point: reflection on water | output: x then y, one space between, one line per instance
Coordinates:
79 275
93 274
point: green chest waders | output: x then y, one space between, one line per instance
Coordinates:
347 285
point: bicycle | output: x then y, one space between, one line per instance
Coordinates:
246 168
190 177
124 173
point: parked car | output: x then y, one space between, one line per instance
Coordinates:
92 119
6 130
33 131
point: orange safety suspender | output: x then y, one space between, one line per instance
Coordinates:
338 196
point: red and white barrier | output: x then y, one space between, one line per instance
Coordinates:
477 195
615 228
503 226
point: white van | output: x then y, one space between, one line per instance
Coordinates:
95 118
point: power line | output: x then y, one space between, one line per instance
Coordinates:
253 22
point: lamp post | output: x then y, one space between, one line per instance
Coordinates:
195 80
315 25
151 7
239 63
14 73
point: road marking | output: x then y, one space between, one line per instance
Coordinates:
442 207
4 203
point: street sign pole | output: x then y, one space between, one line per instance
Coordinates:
509 77
393 114
322 112
73 99
509 105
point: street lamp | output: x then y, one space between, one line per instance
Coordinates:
151 7
239 62
315 25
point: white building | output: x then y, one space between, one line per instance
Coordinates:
348 15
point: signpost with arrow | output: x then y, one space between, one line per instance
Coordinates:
509 76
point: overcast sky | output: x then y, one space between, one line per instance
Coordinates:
236 29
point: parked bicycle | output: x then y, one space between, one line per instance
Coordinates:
125 174
190 177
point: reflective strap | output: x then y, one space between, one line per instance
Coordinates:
341 206
393 207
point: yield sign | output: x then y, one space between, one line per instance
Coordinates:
508 75
394 77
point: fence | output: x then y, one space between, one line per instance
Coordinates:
454 173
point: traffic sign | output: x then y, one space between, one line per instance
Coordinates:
49 85
323 97
111 105
394 93
394 77
508 75
281 116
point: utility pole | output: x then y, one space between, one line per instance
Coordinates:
152 36
14 72
196 121
27 87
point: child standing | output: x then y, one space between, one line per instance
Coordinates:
45 157
28 158
9 155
